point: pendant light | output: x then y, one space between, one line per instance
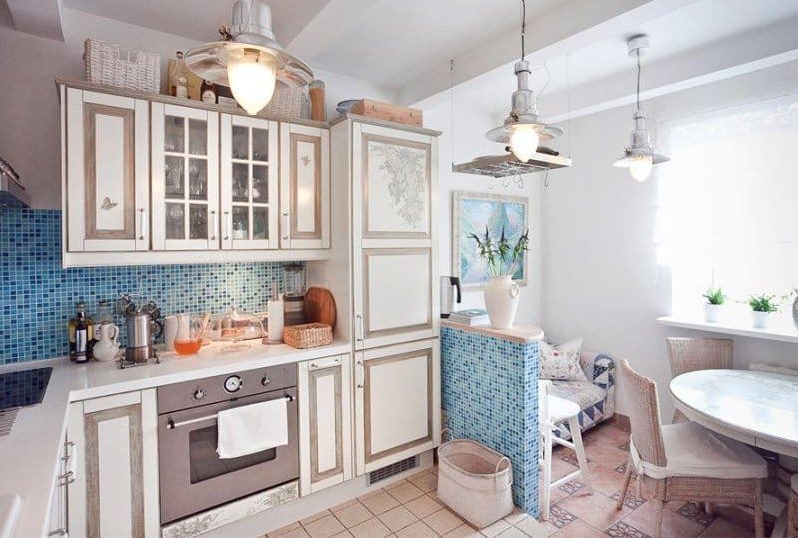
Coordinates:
640 157
523 128
248 59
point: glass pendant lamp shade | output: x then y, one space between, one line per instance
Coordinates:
524 141
252 78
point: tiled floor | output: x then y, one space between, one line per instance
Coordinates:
410 509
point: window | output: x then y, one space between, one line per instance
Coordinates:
728 203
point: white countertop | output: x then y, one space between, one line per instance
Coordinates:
518 334
29 454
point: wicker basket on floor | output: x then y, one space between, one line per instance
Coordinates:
113 65
307 335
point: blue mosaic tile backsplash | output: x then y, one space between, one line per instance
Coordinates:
38 296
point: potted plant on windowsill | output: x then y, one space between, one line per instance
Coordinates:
762 306
714 305
502 259
795 308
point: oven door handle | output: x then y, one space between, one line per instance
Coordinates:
171 424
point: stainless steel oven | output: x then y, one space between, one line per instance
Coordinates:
192 477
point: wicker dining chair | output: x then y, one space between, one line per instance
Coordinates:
702 466
690 354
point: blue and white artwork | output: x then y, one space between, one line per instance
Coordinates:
471 212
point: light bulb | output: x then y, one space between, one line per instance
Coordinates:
640 167
252 78
524 141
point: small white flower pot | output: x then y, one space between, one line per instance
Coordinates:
712 312
501 301
760 319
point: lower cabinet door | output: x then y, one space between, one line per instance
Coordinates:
325 423
397 403
115 488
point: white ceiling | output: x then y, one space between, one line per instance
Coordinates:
198 19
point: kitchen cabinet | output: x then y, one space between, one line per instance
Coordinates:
57 523
394 177
105 141
325 423
305 187
185 178
249 183
397 403
115 488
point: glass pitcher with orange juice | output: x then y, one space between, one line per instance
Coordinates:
188 339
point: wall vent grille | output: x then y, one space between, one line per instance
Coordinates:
7 418
392 469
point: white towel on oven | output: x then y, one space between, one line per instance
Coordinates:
252 428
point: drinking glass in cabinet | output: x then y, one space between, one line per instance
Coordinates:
260 145
174 177
173 139
240 222
198 179
175 221
240 142
198 221
260 184
198 137
260 223
240 182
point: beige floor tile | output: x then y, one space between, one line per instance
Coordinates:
578 529
516 516
314 517
404 492
338 507
463 531
297 532
495 529
597 509
513 532
353 515
425 481
672 524
286 529
723 528
417 530
538 529
605 479
421 507
397 518
443 521
378 502
345 534
608 455
371 528
324 527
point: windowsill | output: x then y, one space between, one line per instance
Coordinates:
778 332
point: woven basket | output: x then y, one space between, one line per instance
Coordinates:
307 335
113 65
287 102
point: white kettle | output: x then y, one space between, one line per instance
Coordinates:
107 346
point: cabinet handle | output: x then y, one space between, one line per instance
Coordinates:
58 532
214 224
324 363
285 226
360 330
226 226
71 461
142 223
361 373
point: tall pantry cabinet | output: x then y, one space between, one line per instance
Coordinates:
390 171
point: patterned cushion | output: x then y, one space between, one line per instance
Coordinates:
561 362
582 393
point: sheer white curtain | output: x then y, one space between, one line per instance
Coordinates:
728 203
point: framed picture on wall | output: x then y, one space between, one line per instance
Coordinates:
471 212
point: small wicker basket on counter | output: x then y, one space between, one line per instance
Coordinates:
307 335
111 64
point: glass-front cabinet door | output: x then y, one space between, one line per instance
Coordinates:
249 183
185 178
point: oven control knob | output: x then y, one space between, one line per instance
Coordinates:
265 381
199 394
233 383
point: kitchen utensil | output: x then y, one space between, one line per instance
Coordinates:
239 325
141 333
294 296
107 346
448 286
188 339
169 332
276 322
320 306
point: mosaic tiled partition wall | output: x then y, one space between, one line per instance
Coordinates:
490 395
37 296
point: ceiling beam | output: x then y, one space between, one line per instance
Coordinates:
575 25
37 17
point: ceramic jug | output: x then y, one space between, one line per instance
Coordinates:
107 346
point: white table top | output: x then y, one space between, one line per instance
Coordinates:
757 408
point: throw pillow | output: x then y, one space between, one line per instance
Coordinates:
561 362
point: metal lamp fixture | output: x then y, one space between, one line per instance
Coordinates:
640 157
523 128
248 59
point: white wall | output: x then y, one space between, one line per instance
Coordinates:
462 141
29 138
600 277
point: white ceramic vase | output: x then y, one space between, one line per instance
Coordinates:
760 319
712 312
501 301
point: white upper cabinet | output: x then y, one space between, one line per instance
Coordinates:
304 186
249 183
106 171
185 178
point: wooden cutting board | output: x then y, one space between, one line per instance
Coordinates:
320 306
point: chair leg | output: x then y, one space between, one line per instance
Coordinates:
658 505
626 478
709 508
546 498
579 448
759 518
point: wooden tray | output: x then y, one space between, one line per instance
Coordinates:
320 306
388 112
